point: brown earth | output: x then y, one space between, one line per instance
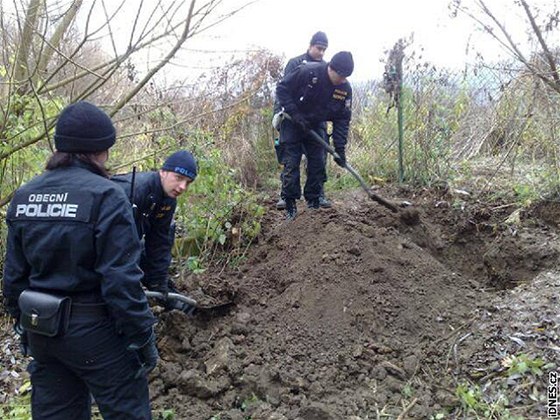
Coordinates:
357 313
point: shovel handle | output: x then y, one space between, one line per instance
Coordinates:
350 169
369 192
174 296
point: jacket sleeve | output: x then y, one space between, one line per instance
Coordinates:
118 252
157 248
286 89
16 271
293 64
341 122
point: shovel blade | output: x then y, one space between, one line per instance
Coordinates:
191 306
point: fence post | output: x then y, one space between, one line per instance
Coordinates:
398 98
393 81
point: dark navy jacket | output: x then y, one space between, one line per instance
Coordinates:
154 216
309 91
293 64
71 232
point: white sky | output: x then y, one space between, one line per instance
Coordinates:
367 28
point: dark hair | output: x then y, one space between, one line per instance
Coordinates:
64 160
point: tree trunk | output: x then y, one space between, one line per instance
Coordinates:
21 68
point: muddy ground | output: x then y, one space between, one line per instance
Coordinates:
358 313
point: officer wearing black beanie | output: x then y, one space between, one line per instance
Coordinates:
342 63
155 196
72 253
84 128
314 54
311 95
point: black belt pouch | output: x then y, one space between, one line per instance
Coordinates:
44 314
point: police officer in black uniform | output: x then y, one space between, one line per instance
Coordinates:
154 196
314 54
311 95
72 254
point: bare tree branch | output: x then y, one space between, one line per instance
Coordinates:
110 63
548 55
160 65
504 37
111 36
153 26
55 39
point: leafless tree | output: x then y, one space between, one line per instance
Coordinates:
542 27
56 52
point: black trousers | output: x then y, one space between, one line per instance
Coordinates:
90 358
295 143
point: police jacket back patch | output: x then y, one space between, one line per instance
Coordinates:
74 206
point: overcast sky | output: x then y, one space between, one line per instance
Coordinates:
366 28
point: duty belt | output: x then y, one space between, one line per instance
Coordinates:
89 310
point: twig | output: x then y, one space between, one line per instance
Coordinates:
503 206
453 349
460 327
407 409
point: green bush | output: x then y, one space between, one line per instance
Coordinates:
216 214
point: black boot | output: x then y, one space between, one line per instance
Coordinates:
313 204
324 203
291 209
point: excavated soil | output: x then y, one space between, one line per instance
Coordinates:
358 313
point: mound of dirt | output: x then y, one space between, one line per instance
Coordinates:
357 313
352 312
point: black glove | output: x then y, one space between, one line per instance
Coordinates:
147 354
158 286
171 304
342 161
175 304
300 120
23 343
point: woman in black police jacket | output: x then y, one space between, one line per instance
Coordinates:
72 252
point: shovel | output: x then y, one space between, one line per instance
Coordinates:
191 306
350 169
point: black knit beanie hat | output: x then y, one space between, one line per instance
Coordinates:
343 63
319 38
181 162
83 128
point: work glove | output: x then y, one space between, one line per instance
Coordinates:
277 120
161 286
147 354
278 148
341 161
302 122
175 304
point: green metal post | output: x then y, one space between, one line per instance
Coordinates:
400 119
